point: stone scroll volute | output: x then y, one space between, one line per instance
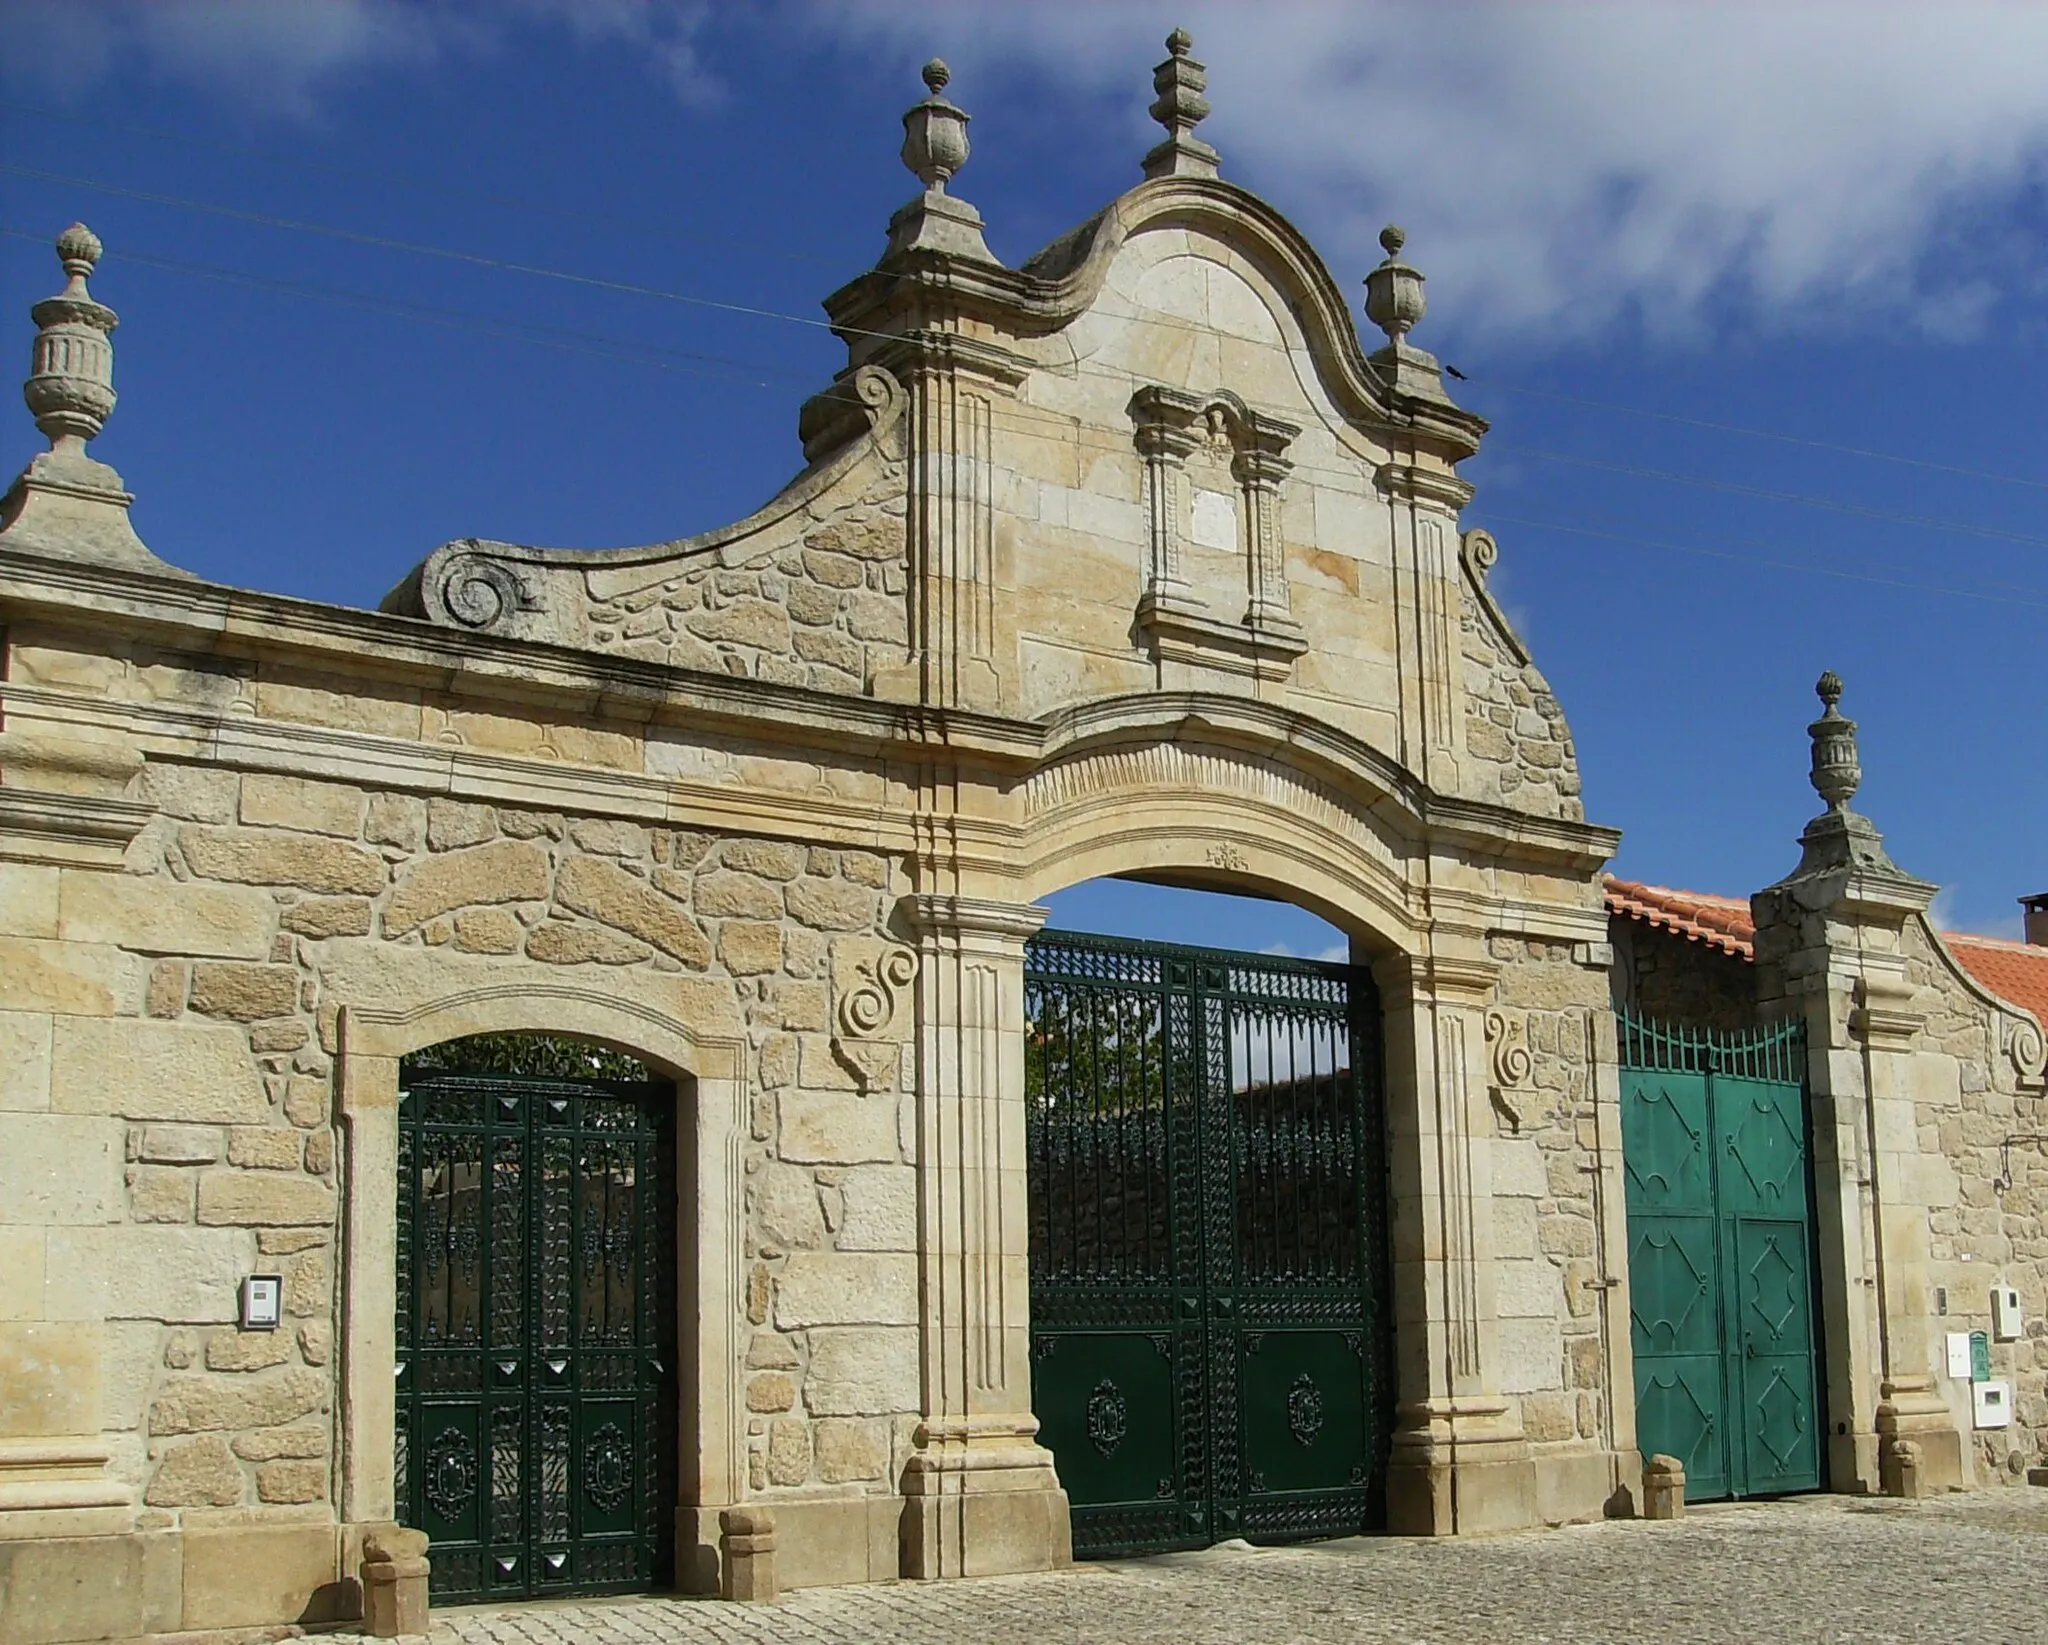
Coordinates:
873 1006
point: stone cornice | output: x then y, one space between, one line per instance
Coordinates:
70 830
345 642
1062 281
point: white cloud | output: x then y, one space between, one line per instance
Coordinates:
1564 168
286 56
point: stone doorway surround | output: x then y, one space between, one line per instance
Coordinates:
710 1122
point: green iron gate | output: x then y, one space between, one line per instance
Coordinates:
1208 1277
1721 1268
536 1317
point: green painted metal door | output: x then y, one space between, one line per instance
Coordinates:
536 1318
1206 1171
1721 1240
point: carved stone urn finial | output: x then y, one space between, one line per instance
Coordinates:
67 503
935 132
935 148
1394 299
1837 768
1180 107
70 387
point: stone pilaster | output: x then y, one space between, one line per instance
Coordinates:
1423 505
1829 951
1460 1460
982 1494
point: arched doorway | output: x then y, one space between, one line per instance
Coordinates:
537 1358
1210 1300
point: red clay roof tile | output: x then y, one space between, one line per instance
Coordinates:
2014 971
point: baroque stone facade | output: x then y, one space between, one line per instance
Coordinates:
1128 561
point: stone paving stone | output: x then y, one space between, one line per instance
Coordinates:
1809 1571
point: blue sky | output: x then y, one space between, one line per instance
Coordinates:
1821 228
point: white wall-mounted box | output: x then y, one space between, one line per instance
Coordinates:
1993 1401
2006 1319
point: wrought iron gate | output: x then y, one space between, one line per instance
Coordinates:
536 1317
1721 1266
1208 1278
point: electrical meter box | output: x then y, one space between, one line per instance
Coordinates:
1993 1402
2005 1313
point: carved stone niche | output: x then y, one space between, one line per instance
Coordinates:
1174 621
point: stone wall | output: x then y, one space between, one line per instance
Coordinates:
1515 734
1543 1032
824 610
169 1035
1675 979
1983 1228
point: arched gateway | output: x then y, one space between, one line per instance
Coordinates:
1129 561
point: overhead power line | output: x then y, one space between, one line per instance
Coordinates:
428 185
1773 434
1015 415
2005 599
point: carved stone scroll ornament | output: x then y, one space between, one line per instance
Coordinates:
1510 1062
2029 1054
870 1007
478 590
1478 554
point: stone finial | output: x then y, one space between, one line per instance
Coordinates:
1180 107
1837 771
935 147
67 503
1394 300
70 387
935 132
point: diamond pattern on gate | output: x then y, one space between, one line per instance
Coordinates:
1774 1280
1781 1419
1670 1272
1766 1137
1653 1122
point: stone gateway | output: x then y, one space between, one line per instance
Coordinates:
600 989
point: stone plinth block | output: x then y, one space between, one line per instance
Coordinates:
395 1571
1663 1488
747 1570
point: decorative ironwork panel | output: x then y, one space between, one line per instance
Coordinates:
536 1317
1721 1240
1208 1292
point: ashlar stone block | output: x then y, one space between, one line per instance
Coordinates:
845 1288
252 1199
60 1168
142 1070
835 1127
24 1060
159 916
507 871
862 1371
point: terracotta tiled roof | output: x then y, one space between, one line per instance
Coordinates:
2014 971
1719 922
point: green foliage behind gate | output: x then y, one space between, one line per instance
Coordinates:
1721 1272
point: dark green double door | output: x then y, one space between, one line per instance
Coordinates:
1720 1234
1206 1174
536 1319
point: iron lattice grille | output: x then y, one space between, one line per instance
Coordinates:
1207 1204
536 1325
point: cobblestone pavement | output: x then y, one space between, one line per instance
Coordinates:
1964 1568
